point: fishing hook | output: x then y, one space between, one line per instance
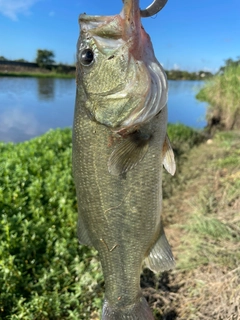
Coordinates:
154 8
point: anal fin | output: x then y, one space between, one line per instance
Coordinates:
160 257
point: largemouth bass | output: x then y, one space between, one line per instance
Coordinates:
119 148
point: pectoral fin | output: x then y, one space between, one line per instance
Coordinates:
168 157
160 257
128 153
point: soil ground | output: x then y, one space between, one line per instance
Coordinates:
202 286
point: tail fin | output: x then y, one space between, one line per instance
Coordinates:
138 311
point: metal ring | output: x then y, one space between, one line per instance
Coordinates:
154 8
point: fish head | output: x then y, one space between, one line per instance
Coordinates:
123 83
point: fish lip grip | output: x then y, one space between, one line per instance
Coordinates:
154 8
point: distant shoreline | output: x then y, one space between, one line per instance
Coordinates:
28 69
37 75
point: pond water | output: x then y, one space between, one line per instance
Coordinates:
31 106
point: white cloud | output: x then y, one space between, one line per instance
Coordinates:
17 125
176 66
19 120
11 8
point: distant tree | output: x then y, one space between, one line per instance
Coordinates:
229 63
3 58
45 58
20 60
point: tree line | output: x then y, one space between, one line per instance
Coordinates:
44 58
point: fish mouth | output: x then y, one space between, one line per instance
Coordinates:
132 23
131 11
123 28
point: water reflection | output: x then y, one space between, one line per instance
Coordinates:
30 106
46 88
17 125
183 106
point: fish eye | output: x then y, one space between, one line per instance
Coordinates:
86 57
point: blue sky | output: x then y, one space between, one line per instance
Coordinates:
189 34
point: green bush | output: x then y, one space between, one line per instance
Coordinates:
183 137
44 273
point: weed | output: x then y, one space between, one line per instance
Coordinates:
222 92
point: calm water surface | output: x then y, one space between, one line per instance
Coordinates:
31 106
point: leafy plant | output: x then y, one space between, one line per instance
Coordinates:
44 273
184 137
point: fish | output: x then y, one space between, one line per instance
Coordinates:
120 146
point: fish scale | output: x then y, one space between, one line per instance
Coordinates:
119 213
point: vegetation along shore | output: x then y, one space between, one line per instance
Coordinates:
44 272
45 66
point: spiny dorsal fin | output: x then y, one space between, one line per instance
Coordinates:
128 153
168 157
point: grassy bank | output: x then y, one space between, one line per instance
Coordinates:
45 274
222 92
38 75
203 224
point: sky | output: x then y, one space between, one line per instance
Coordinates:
189 35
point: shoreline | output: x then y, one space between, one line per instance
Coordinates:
26 69
38 75
71 75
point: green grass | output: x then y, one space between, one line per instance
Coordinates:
184 137
38 75
222 92
212 229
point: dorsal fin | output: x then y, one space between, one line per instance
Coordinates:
168 157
